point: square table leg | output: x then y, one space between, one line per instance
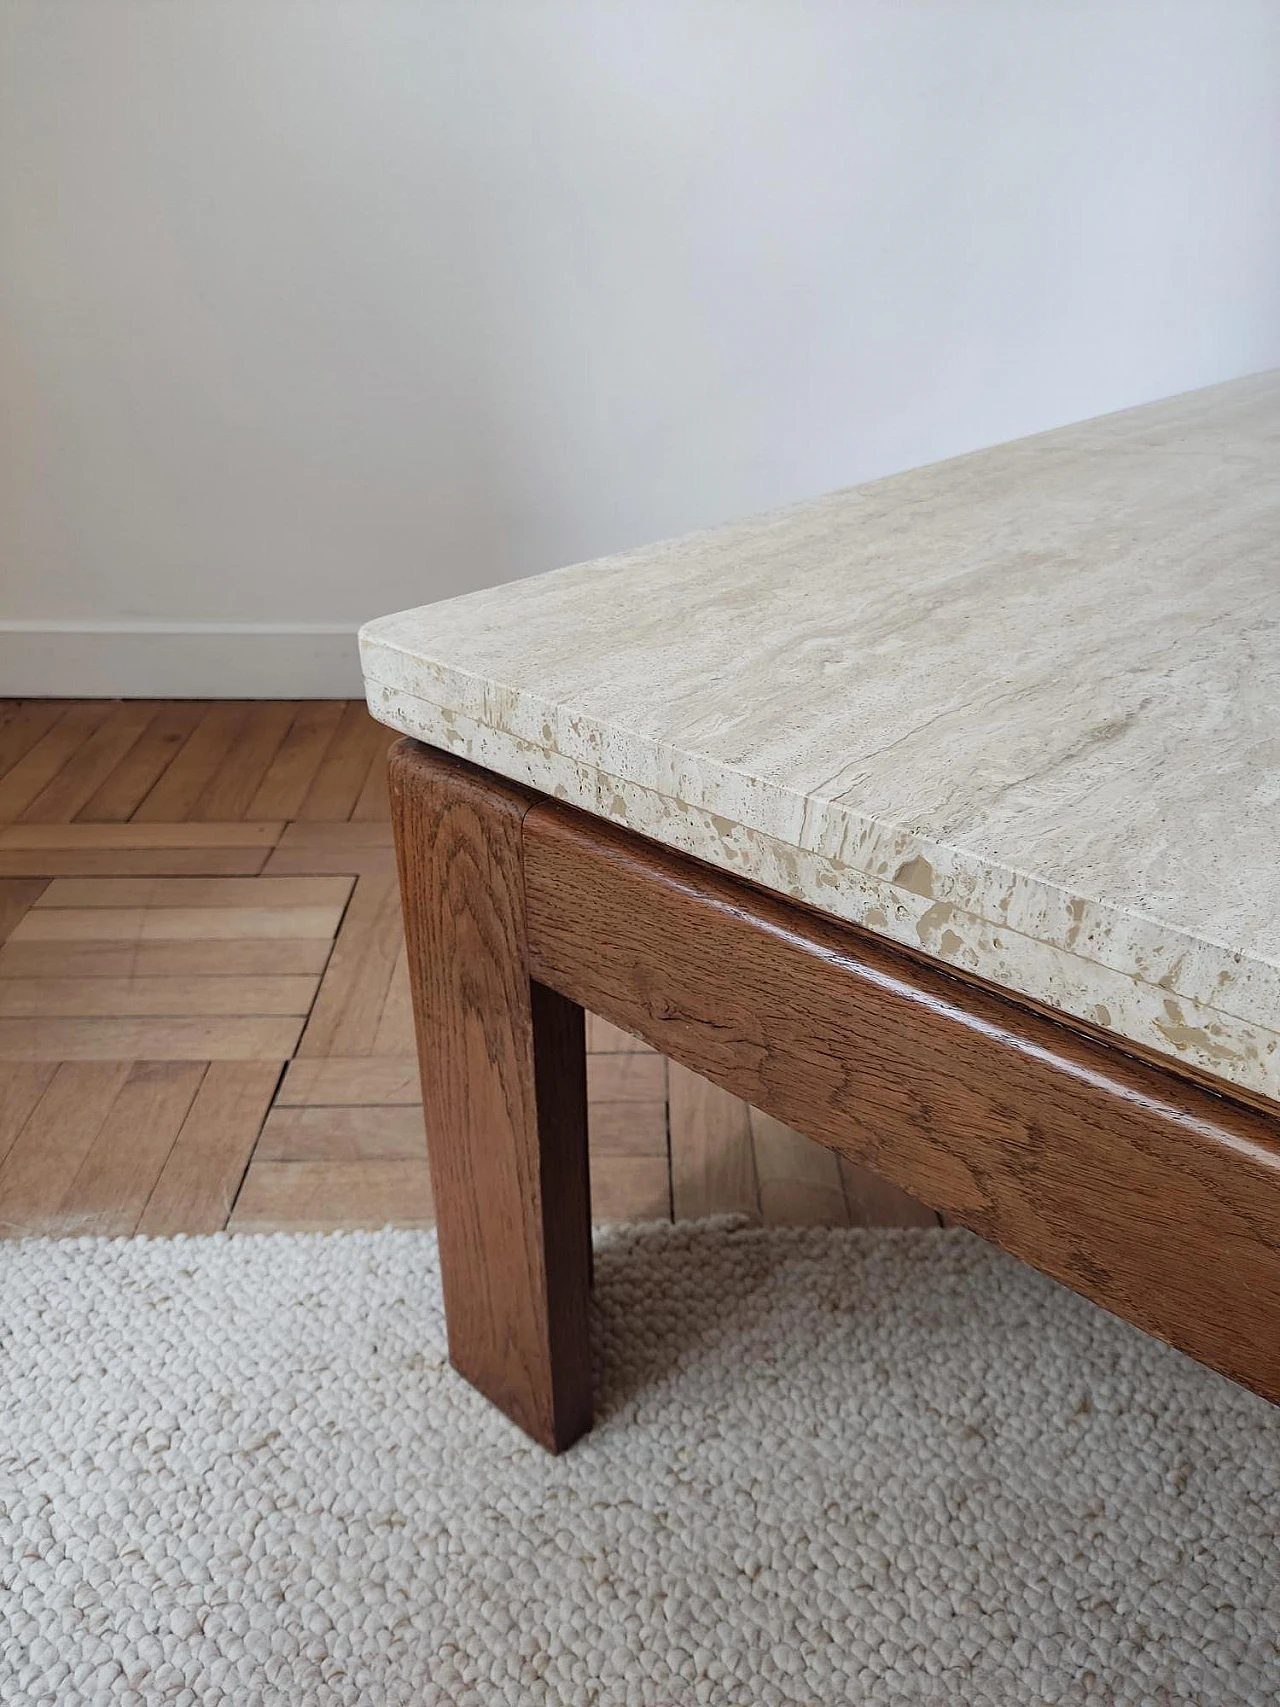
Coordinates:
503 1063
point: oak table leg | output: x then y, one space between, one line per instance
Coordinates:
503 1065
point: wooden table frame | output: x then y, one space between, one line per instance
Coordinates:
1150 1193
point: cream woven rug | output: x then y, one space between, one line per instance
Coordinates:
830 1467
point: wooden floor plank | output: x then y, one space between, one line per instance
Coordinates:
321 1197
799 1180
23 722
174 943
196 892
291 772
271 994
272 956
341 774
46 1156
122 1165
395 1034
342 1135
92 762
373 804
634 1126
24 781
362 849
121 850
179 788
233 786
136 837
22 1084
353 991
627 1128
332 1081
626 1078
171 924
630 1188
194 1038
874 1202
713 1164
202 1172
17 896
124 788
125 862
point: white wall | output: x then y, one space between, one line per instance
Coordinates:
314 309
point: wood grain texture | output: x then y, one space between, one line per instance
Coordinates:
181 786
874 1202
342 772
799 1180
395 1035
22 1084
628 1077
22 723
234 784
333 1081
504 1091
17 895
630 1188
144 996
373 803
349 1007
713 1164
126 786
61 742
175 924
59 1133
1132 1185
232 957
125 862
284 786
205 1037
114 1180
343 1135
331 1197
363 849
94 760
202 1173
135 838
625 1128
196 892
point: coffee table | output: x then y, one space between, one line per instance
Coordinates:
938 818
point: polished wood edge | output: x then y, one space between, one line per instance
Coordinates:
1131 1182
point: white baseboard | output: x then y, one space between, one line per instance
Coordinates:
144 660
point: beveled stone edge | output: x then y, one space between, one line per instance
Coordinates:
1228 1047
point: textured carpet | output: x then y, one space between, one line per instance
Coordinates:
830 1467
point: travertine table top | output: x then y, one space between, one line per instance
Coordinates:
1020 710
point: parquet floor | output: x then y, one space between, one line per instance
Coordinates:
204 1006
